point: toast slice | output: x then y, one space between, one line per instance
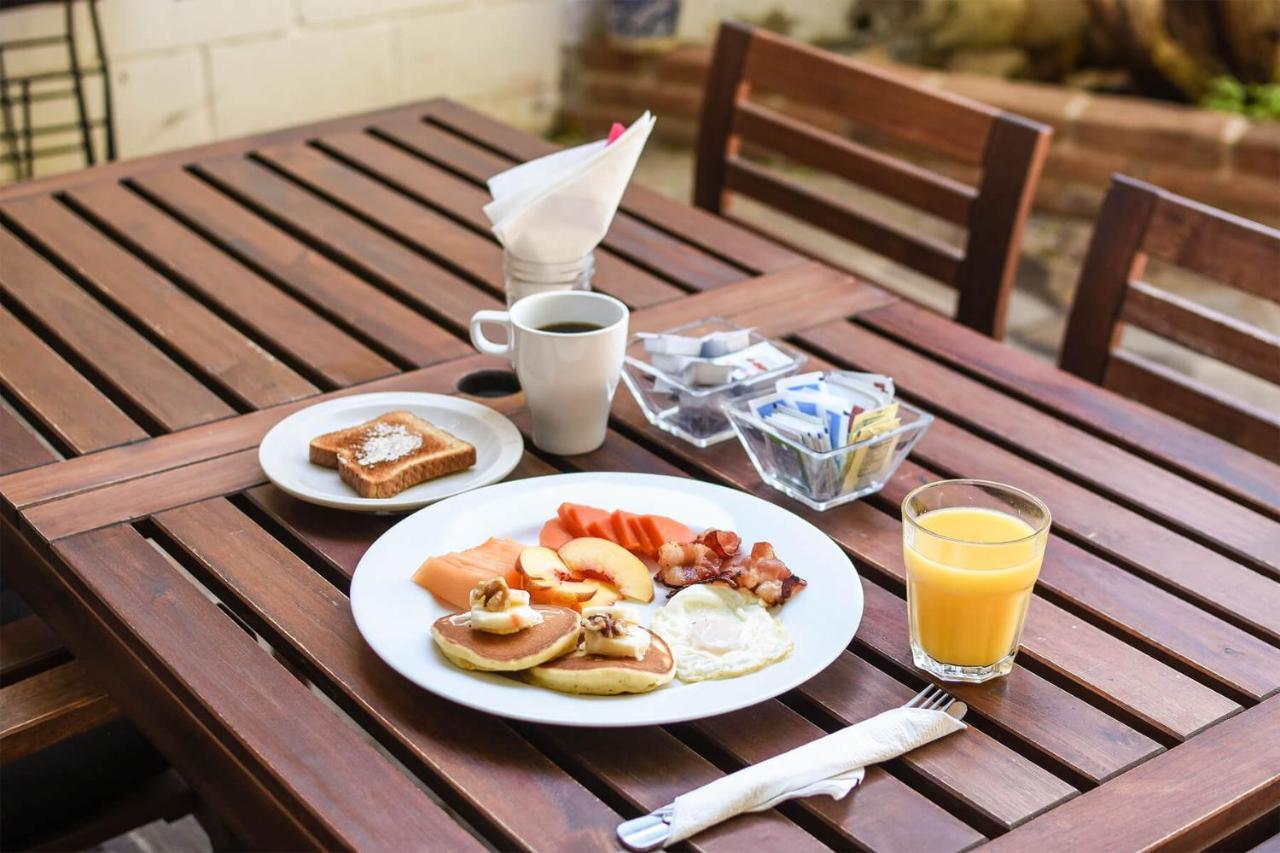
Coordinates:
383 457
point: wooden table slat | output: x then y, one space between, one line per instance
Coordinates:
313 344
1149 616
1183 799
1242 475
439 294
630 238
362 309
133 367
187 329
269 720
464 201
1030 710
697 226
275 271
225 542
197 444
20 446
66 403
330 537
492 772
1194 510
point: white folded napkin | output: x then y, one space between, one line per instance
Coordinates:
830 765
556 209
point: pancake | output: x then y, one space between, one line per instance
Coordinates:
600 675
556 635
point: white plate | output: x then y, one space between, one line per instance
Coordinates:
284 451
394 614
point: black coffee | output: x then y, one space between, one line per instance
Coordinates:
570 327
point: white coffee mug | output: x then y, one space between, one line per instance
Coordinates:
567 377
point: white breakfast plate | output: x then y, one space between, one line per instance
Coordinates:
395 615
284 451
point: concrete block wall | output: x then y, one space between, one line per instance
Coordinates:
191 71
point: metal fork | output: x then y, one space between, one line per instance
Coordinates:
651 831
934 698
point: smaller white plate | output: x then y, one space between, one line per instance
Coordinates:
284 453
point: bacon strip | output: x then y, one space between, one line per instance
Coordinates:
715 557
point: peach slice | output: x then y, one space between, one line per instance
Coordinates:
591 557
572 594
605 593
541 568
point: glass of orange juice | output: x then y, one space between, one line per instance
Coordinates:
973 551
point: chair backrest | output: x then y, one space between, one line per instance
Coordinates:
1140 221
1009 151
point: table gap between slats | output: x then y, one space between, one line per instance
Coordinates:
275 506
646 246
275 321
217 543
883 633
412 175
1196 512
1233 472
243 374
714 235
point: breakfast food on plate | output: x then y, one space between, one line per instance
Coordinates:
550 611
594 557
617 656
502 632
384 456
718 632
584 572
451 577
640 534
716 557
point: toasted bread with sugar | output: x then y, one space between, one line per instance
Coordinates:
385 456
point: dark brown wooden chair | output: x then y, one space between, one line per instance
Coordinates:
1009 151
1140 221
73 772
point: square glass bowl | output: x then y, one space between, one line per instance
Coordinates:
695 412
823 479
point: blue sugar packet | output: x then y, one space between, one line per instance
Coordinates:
764 406
812 381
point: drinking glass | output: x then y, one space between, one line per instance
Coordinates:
973 551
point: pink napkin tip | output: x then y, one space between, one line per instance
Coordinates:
614 132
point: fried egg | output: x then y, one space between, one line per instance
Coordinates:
718 632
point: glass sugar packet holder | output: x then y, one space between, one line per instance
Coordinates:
695 412
824 479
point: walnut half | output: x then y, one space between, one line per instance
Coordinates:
605 625
491 595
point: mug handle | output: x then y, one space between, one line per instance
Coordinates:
483 344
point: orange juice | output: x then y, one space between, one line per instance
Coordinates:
969 591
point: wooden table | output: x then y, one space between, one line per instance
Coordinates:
160 315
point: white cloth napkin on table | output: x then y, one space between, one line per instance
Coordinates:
556 209
831 765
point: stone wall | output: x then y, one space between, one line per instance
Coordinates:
1218 158
191 71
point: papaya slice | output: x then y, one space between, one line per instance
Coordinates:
659 530
554 534
623 533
